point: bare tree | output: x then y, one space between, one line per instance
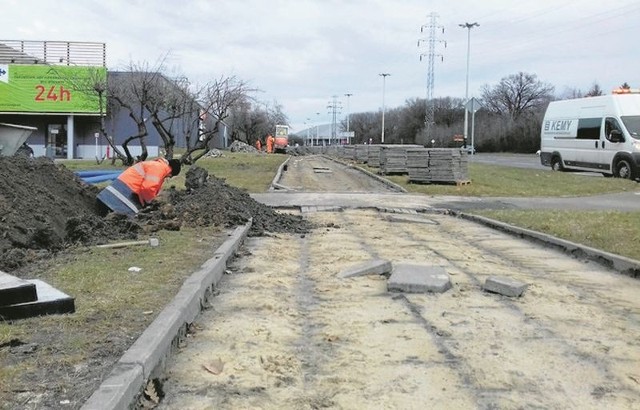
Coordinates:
249 121
173 110
517 94
594 91
134 91
571 93
216 100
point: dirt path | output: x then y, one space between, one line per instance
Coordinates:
315 173
291 334
286 332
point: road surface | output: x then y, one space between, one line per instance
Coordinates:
286 332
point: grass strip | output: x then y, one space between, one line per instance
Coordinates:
611 231
113 307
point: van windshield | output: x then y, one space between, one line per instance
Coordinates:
632 123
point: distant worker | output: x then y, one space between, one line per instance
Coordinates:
138 185
258 145
270 141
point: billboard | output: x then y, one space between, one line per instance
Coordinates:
49 89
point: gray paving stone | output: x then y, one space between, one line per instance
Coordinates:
504 286
14 290
373 267
414 278
119 390
50 301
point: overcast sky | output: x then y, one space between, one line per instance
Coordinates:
300 53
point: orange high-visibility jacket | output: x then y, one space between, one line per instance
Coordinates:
146 178
270 141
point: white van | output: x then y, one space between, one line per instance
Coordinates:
600 134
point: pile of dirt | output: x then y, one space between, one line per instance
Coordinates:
45 207
210 201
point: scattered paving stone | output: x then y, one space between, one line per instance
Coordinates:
505 286
374 267
412 278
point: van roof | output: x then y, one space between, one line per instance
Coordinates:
611 104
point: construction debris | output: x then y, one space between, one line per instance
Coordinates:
239 146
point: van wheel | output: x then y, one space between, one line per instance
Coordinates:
556 164
623 169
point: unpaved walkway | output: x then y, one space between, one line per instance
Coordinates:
315 173
286 333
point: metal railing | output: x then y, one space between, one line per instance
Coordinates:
53 52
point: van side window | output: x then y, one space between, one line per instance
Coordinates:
589 128
610 124
632 123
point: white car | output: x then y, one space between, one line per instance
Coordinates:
469 149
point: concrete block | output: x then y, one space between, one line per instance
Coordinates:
154 344
50 301
413 278
14 290
504 286
373 267
118 390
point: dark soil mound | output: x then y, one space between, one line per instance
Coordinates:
45 208
210 201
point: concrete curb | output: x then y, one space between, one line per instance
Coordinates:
148 354
624 265
274 183
372 175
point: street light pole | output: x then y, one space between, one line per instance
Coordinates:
348 115
468 26
384 77
318 119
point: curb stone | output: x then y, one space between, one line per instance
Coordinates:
148 354
385 181
621 264
274 183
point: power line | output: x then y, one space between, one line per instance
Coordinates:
535 39
432 40
334 109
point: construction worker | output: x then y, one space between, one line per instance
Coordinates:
270 141
258 145
137 186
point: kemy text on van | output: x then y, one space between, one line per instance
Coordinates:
600 134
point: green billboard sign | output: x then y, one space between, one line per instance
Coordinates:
49 89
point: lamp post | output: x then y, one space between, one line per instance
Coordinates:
468 26
317 137
348 112
384 77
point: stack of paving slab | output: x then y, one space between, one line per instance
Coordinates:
437 165
331 150
349 152
362 153
20 299
373 155
393 158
